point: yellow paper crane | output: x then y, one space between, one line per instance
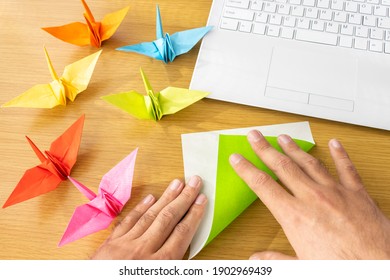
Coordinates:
93 32
74 80
154 105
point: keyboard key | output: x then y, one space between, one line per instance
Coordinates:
238 14
245 26
230 24
326 14
332 27
259 28
337 5
355 19
387 35
346 29
275 19
257 5
324 4
297 11
373 1
380 11
360 43
351 6
261 17
303 23
346 41
340 16
295 2
318 25
287 33
312 12
289 21
369 21
376 46
310 3
238 3
385 2
376 33
366 9
270 7
361 31
284 9
384 22
273 31
316 37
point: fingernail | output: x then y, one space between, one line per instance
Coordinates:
200 199
235 159
174 185
335 144
194 181
285 139
254 136
254 257
148 199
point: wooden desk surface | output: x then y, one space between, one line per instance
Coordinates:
31 230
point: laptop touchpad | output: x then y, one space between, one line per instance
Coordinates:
313 77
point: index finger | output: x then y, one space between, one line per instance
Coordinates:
287 171
266 188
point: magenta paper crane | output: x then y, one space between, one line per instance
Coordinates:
114 191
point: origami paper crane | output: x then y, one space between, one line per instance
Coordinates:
92 33
114 191
167 47
56 165
154 105
74 80
207 155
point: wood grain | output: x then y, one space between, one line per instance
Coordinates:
31 230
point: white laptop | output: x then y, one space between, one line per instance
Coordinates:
322 58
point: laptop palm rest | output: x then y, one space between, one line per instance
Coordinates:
312 77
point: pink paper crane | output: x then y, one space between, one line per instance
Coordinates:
114 191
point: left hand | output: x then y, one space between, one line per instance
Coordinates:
158 229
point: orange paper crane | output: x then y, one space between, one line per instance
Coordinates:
55 166
92 33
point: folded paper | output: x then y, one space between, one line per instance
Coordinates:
90 33
113 193
166 47
55 167
154 105
207 155
73 81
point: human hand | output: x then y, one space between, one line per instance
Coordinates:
323 218
161 229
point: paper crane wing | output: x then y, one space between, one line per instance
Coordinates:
118 181
55 168
114 192
174 99
75 33
111 22
35 181
86 219
148 48
184 41
39 96
78 74
65 148
131 102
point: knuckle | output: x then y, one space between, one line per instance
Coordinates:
148 217
284 163
183 228
168 213
259 179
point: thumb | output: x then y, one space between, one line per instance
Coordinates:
271 255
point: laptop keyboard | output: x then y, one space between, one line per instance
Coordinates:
358 24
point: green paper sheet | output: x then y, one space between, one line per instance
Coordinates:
233 196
